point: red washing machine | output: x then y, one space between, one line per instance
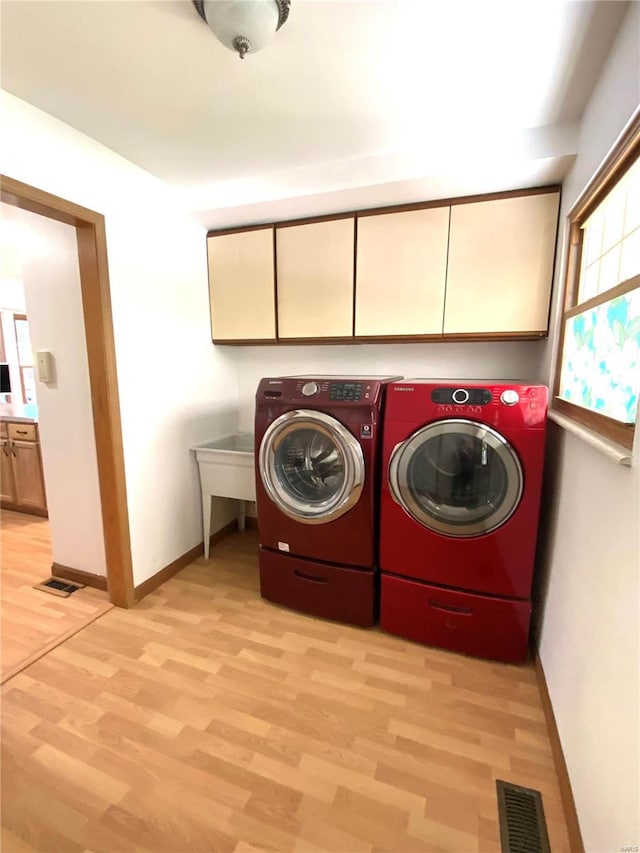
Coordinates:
459 513
318 445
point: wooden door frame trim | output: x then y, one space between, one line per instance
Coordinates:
103 381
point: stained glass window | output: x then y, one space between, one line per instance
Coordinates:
601 358
598 367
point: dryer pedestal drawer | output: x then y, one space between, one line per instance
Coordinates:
479 625
346 595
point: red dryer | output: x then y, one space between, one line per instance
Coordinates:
460 502
318 445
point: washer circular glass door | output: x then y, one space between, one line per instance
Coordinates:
457 477
311 466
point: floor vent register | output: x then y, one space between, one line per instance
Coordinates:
56 586
522 825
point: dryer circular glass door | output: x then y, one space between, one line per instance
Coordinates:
457 477
311 466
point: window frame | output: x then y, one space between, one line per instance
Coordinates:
21 318
23 383
18 318
623 155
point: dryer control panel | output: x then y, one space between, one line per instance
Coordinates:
461 396
501 404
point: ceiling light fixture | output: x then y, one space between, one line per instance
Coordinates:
244 26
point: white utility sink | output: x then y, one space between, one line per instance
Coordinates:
227 470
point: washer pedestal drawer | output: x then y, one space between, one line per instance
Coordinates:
480 625
333 592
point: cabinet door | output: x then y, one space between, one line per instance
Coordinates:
27 471
7 486
241 285
401 271
315 279
501 264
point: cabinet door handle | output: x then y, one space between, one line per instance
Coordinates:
5 448
12 448
22 431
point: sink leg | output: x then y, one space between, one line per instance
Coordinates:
206 522
242 514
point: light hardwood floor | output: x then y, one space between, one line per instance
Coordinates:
34 621
206 719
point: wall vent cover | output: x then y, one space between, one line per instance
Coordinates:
522 825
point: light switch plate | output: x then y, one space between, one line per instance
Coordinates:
44 366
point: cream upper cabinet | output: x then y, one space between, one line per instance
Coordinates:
401 271
500 266
481 268
241 285
315 279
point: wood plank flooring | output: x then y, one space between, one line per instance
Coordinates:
206 719
34 621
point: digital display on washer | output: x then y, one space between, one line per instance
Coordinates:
462 396
345 391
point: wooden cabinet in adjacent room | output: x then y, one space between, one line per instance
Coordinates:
315 279
22 478
500 266
7 486
401 271
242 285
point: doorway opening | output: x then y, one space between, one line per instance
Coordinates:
96 306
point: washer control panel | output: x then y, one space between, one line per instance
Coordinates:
318 391
351 391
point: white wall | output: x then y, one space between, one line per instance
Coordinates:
11 289
504 360
51 281
175 388
589 643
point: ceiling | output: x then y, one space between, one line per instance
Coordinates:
353 103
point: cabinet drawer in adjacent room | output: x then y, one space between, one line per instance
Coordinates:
479 625
23 432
